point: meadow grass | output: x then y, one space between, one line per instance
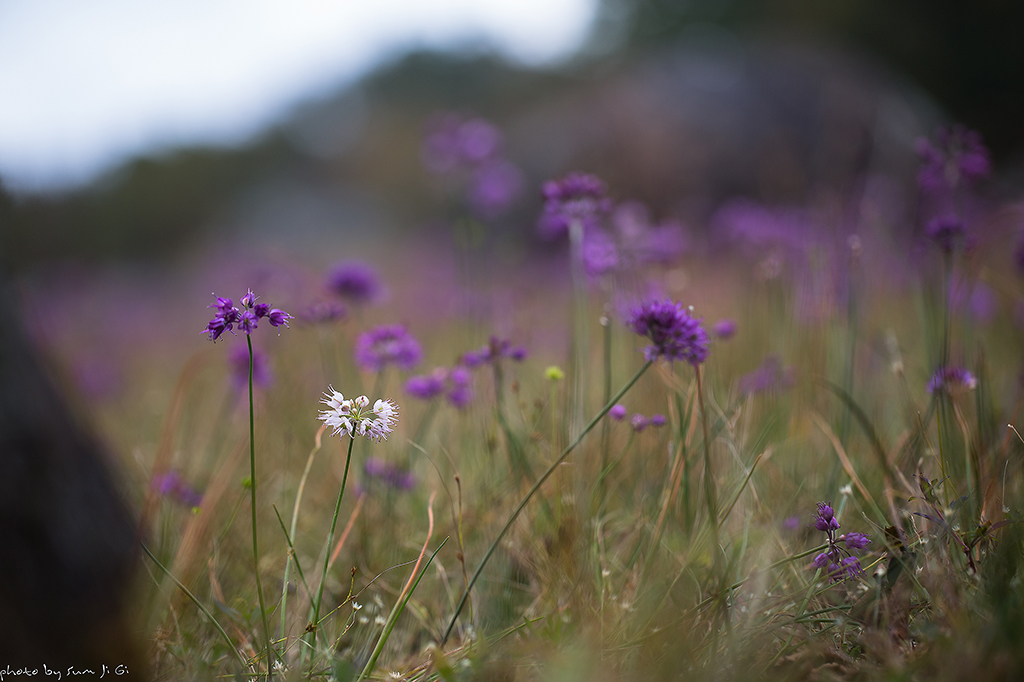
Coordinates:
523 543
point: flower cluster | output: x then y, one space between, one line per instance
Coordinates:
387 345
354 417
390 474
837 561
247 318
171 484
453 383
675 335
492 352
957 156
577 198
946 231
639 422
355 281
951 380
770 377
471 150
323 312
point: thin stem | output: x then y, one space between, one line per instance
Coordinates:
709 481
330 543
252 490
533 490
206 612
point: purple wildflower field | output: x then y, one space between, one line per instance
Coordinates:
561 427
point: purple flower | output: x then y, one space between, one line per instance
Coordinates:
171 484
577 198
494 187
495 350
355 281
725 328
387 345
427 386
946 232
375 467
769 377
825 519
459 391
618 412
246 319
238 359
675 335
599 253
958 155
951 379
856 540
822 560
851 566
639 422
453 143
323 312
392 475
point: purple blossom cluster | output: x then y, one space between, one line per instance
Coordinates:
247 318
356 282
838 562
493 351
171 484
946 231
644 242
957 156
638 421
454 384
674 334
770 377
391 475
387 345
725 328
470 149
951 380
577 198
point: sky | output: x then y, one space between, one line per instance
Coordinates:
86 85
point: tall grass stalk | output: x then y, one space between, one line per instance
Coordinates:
255 545
530 493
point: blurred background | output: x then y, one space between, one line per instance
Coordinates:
152 153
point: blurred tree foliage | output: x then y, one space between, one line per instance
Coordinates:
969 56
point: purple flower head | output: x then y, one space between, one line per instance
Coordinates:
453 143
770 377
238 359
246 319
618 412
354 281
658 420
675 335
599 253
822 560
427 386
952 380
278 317
851 567
957 156
494 187
458 387
856 540
375 467
725 328
577 198
171 484
495 350
825 519
323 312
946 232
392 475
387 345
639 422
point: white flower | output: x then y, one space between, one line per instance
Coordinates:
351 417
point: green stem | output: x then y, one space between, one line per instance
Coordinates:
536 486
252 490
206 612
709 481
330 544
